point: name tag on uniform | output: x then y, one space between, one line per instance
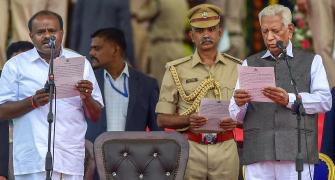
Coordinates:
191 80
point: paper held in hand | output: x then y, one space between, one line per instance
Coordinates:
254 79
68 71
214 111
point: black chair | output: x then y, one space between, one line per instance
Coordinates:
89 162
141 155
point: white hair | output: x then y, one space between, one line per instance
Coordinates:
274 10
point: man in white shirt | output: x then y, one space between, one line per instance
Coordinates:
23 99
270 129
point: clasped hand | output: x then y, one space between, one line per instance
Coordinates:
276 94
196 121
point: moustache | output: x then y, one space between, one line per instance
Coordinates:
92 58
205 40
45 41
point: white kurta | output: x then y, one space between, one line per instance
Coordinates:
21 77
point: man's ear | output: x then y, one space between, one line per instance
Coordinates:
190 34
221 30
291 30
115 48
31 35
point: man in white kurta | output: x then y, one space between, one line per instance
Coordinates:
23 99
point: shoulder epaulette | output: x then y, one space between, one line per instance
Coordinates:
178 61
236 60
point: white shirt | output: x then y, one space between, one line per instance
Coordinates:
116 103
318 100
22 75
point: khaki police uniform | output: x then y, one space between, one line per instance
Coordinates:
140 36
215 161
234 14
4 19
322 24
166 32
188 80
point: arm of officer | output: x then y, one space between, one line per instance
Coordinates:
153 99
179 122
147 11
172 121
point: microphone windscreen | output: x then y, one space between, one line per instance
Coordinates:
52 37
280 45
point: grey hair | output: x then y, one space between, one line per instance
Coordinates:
274 10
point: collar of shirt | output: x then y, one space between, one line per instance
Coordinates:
197 60
35 56
288 50
125 72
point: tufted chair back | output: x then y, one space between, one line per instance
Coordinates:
141 155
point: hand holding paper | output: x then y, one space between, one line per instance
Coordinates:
277 94
67 74
216 112
241 97
228 124
197 121
85 88
255 79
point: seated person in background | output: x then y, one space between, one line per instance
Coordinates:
130 96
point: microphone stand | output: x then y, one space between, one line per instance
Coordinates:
299 110
49 87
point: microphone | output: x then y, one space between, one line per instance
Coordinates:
52 41
280 45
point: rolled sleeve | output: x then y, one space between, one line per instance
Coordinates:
168 97
165 108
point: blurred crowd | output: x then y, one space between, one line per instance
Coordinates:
155 30
152 33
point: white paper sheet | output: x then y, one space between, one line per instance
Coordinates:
254 79
214 111
68 71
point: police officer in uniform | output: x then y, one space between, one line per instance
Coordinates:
166 32
205 74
